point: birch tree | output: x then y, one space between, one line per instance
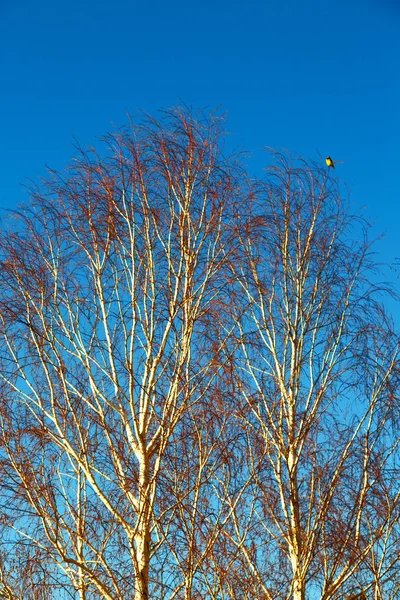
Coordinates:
109 279
198 382
317 370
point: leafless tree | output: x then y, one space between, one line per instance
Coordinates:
109 280
199 384
316 369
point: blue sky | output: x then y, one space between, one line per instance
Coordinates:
310 76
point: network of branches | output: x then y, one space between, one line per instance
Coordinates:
198 381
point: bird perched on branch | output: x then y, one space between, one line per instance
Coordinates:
329 162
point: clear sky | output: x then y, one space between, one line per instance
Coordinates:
307 75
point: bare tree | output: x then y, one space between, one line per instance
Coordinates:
109 279
316 367
199 385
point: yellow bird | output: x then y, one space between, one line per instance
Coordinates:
329 162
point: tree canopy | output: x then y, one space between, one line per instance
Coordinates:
199 380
